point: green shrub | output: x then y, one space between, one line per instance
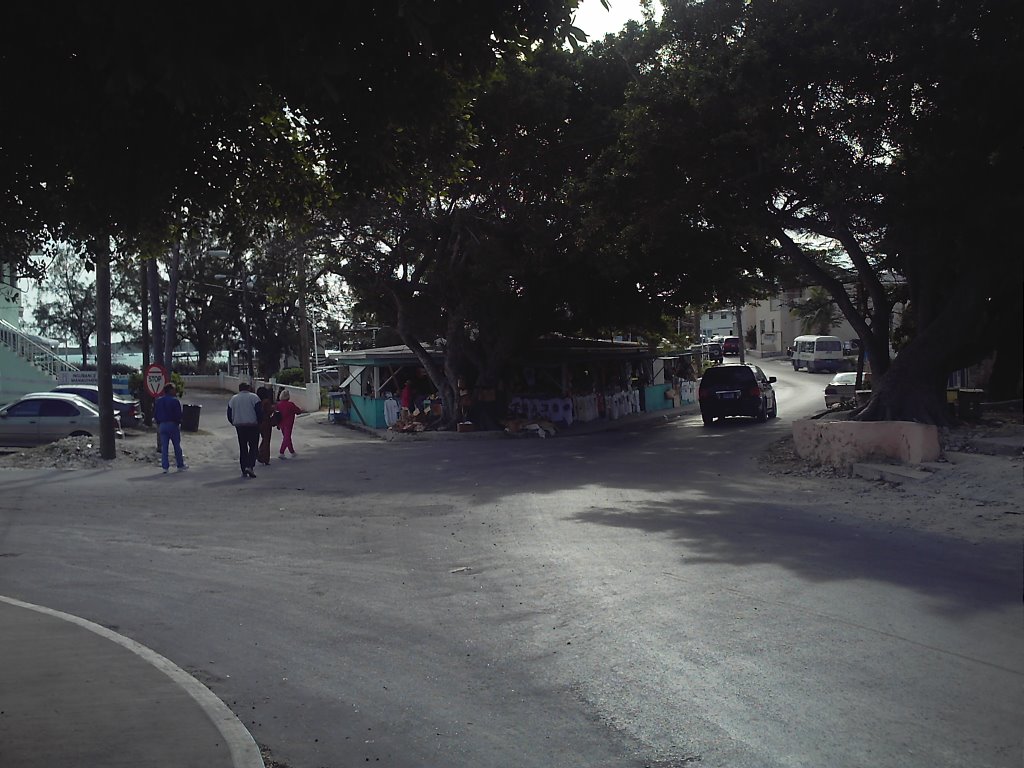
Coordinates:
291 376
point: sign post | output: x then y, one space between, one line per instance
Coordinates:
156 378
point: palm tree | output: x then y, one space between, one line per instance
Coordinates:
818 313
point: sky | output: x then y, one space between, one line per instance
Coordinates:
593 19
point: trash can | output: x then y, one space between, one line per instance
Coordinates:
968 402
190 417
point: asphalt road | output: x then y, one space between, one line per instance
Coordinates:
632 598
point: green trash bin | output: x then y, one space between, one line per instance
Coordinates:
968 402
190 417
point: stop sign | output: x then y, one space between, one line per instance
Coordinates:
156 377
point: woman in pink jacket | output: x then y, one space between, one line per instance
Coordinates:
288 411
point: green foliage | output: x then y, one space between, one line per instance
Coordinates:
67 304
291 376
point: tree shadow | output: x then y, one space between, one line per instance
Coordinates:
749 532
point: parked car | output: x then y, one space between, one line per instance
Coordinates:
730 345
127 408
842 390
44 417
711 350
736 389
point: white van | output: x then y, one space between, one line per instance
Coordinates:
818 353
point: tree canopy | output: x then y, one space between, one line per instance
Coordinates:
865 137
476 182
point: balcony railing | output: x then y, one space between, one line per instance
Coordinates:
30 350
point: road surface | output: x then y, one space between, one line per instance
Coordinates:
633 598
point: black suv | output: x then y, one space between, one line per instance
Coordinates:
736 390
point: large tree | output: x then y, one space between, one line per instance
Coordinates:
869 136
486 259
130 115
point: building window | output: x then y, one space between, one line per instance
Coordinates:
725 315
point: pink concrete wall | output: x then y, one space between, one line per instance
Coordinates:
841 443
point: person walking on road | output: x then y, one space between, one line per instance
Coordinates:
288 411
244 411
266 396
167 415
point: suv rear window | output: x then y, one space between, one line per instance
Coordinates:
738 375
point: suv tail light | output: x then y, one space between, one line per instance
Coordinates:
703 394
754 391
830 390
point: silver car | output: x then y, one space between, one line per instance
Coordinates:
44 417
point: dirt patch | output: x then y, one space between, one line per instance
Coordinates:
967 494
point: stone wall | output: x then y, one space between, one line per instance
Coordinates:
841 443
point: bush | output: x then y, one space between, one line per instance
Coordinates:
291 376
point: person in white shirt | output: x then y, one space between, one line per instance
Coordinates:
244 411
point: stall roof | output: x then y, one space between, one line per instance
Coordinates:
564 349
546 351
396 355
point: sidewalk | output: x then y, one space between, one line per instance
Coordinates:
77 694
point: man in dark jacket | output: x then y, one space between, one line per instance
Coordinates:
167 415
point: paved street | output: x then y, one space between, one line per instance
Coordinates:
640 597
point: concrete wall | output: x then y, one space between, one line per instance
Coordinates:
307 397
841 443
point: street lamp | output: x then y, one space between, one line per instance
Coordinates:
246 332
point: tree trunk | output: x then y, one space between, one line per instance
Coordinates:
147 401
154 308
914 387
912 390
1005 383
436 373
170 329
103 380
